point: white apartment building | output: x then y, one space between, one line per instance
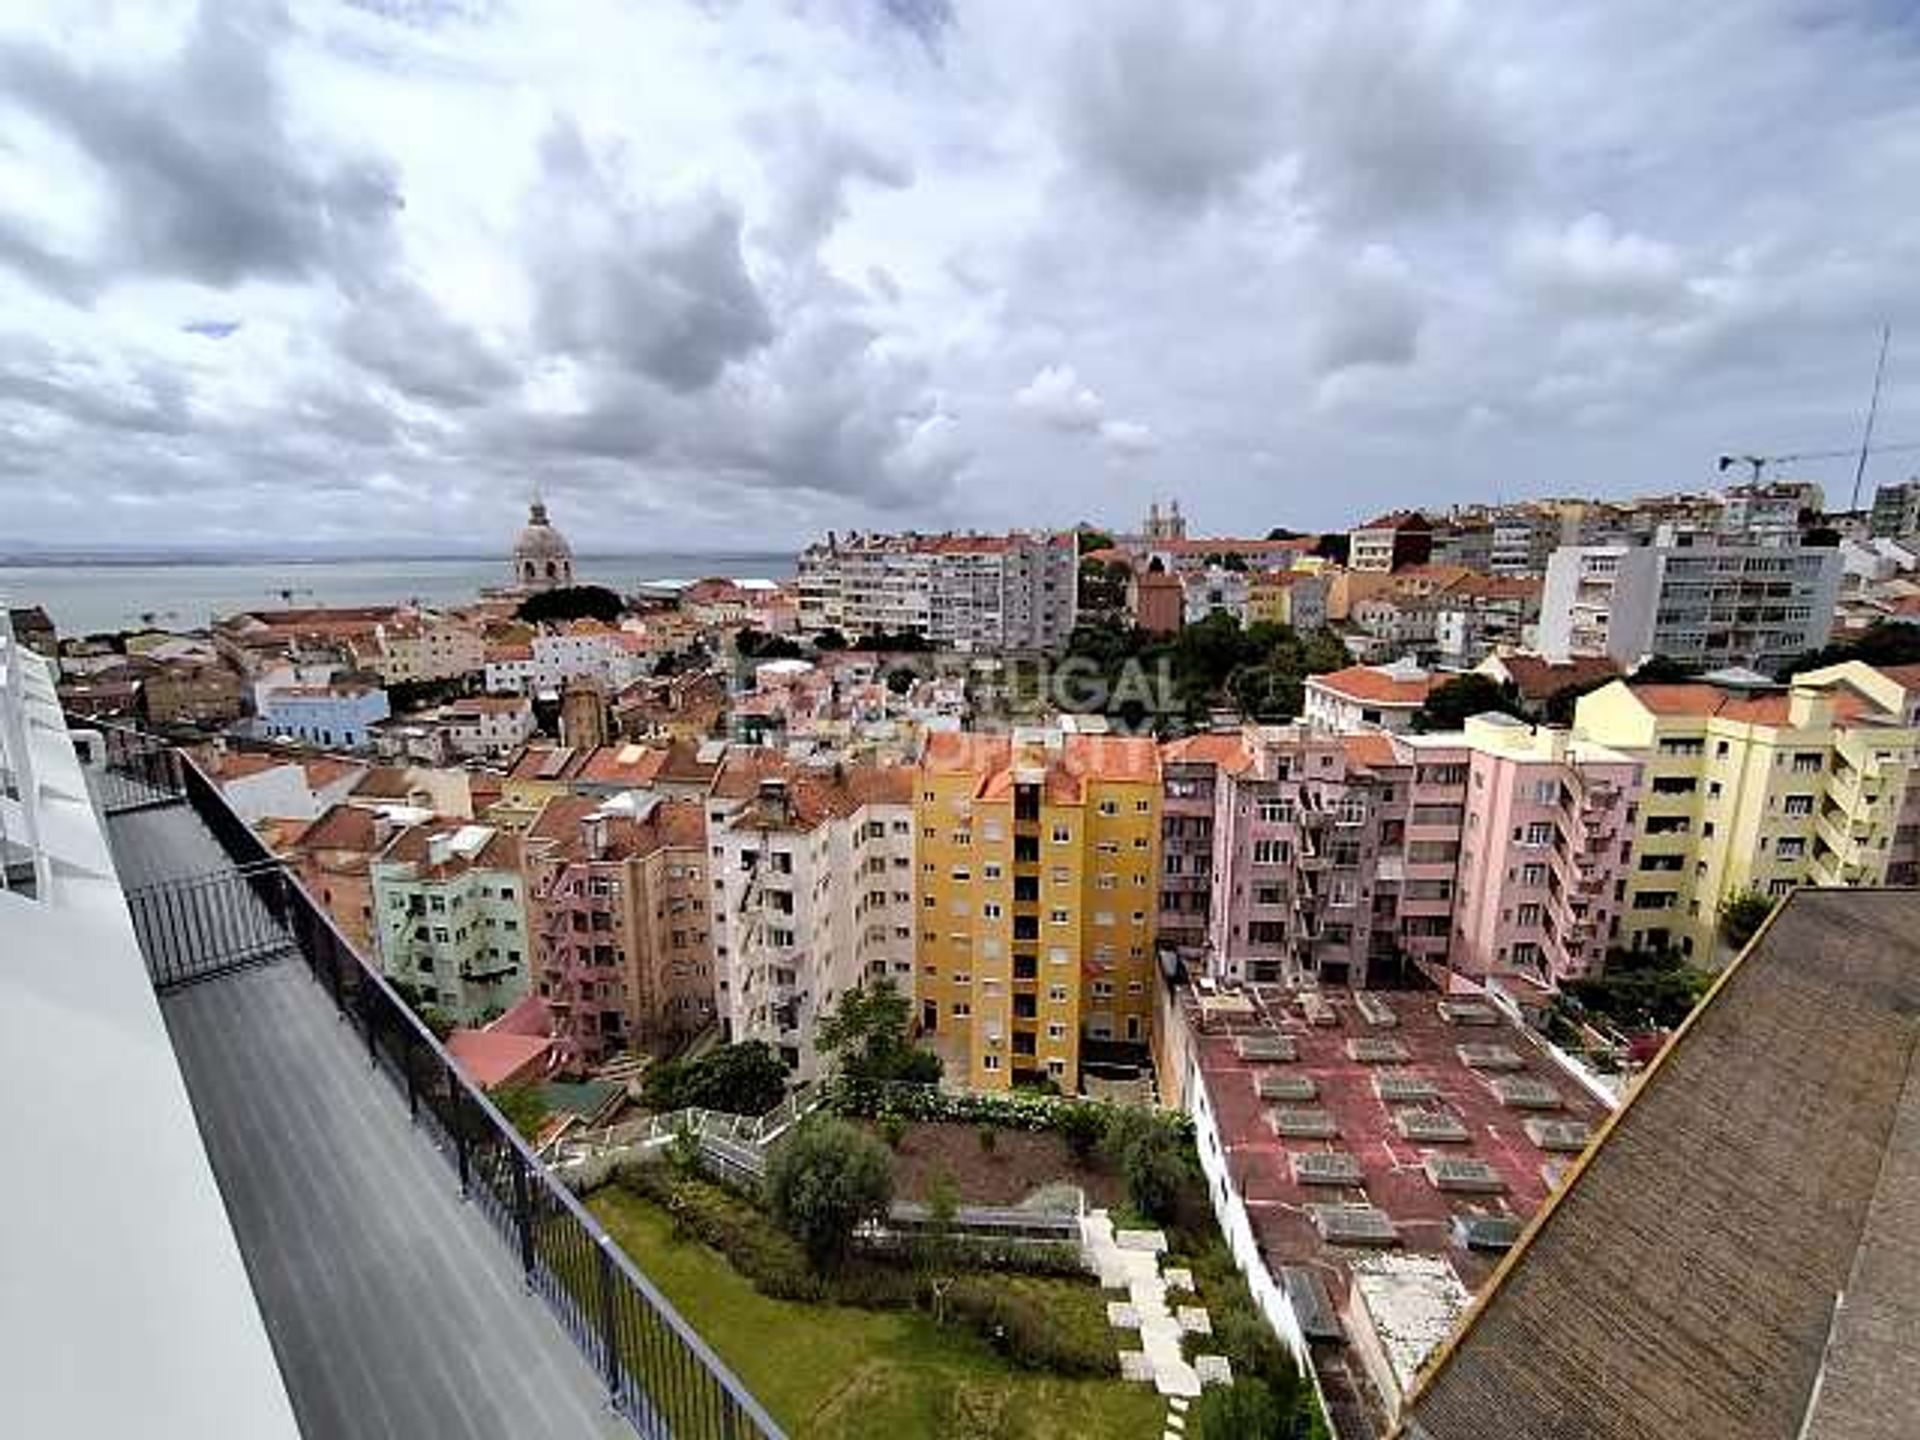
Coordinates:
615 658
1717 605
813 888
1216 588
486 726
963 592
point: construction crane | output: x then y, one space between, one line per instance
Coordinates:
1757 464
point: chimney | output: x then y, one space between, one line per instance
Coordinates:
593 835
774 796
439 848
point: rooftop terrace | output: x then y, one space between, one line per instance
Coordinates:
417 1271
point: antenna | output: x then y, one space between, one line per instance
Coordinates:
1873 408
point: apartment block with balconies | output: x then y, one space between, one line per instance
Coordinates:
812 880
622 923
451 918
1743 790
1543 853
1039 865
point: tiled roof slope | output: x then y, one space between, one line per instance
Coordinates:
1684 1283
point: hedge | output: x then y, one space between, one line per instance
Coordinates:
871 1099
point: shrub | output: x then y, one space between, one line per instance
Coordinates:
893 1130
853 1096
1081 1125
523 1106
989 1139
823 1181
1037 1324
1244 1410
744 1079
1150 1154
768 1258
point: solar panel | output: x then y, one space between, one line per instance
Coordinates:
1374 1050
1487 1232
1312 1305
1324 1167
1286 1087
1401 1085
1303 1123
1264 1047
1489 1057
1450 1172
1567 1136
1317 1009
1467 1012
1353 1225
1430 1127
1374 1010
1523 1092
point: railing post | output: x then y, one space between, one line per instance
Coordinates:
609 1321
406 1064
523 1214
460 1133
370 1011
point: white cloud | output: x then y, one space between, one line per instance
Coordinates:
1055 397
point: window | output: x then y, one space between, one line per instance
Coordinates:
1808 762
1528 914
1109 807
989 911
989 1062
1537 834
1057 917
1062 835
1269 852
1799 805
1533 873
1276 811
962 1009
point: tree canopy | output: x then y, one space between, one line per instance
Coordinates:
869 1037
823 1181
1450 705
743 1079
1885 642
751 644
1103 586
1742 915
1665 670
572 602
1091 539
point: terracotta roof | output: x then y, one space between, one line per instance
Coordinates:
342 827
630 764
501 851
815 794
991 759
1226 749
670 823
1396 520
1538 678
325 770
1370 683
238 765
383 782
1687 1280
1371 751
553 763
1229 545
1770 707
493 1057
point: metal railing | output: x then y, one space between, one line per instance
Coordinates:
658 1373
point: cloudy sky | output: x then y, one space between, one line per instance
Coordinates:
732 273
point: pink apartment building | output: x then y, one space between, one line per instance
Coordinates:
1189 773
1544 854
1334 856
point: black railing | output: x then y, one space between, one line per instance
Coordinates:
135 770
202 926
658 1373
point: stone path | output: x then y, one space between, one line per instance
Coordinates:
1130 1260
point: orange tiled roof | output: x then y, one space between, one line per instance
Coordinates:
342 827
1213 747
1372 751
1368 682
1538 678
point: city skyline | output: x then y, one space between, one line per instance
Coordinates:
840 267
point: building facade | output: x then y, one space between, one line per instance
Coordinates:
1543 856
966 592
814 885
1390 542
331 715
1751 605
1039 866
542 558
450 907
622 924
427 646
1367 697
1747 791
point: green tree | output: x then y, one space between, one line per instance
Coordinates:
1742 915
824 1181
751 644
743 1079
1885 642
1244 1410
869 1037
1451 705
1092 539
1081 1124
1103 586
523 1106
829 640
572 602
1150 1157
1664 670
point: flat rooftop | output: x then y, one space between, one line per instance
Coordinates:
1428 1139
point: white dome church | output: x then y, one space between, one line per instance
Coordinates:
542 559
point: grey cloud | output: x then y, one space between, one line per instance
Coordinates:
663 290
204 181
151 401
1173 103
1589 265
1371 315
811 165
397 332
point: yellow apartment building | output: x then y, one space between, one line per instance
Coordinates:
1747 790
1038 854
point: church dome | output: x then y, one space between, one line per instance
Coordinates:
539 540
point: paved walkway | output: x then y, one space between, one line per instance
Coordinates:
1130 1260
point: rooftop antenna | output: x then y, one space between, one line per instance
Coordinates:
1873 409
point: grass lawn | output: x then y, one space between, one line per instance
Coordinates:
832 1372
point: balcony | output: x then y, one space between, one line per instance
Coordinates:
417 1270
